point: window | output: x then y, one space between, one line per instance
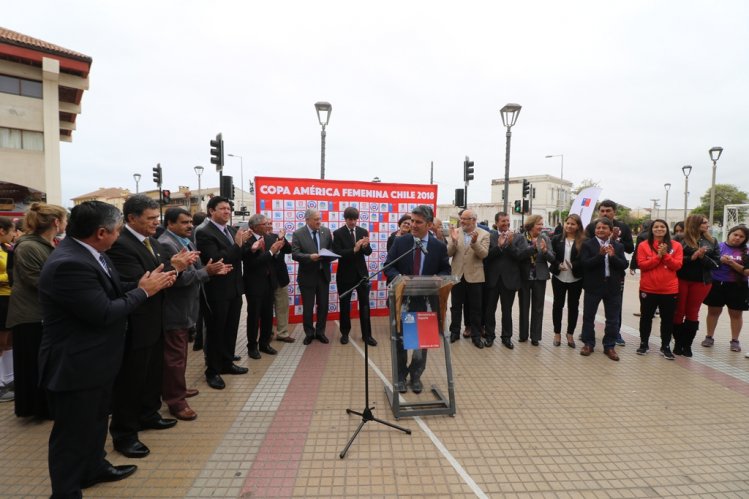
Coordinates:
11 138
20 86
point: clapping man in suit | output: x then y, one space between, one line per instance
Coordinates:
181 306
137 389
281 293
313 274
217 241
432 262
260 282
352 244
85 308
468 246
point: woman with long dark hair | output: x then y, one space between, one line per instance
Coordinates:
730 286
567 282
695 279
658 259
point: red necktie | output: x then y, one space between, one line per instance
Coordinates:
417 261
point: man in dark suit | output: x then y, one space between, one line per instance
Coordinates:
604 265
313 274
85 309
434 262
281 293
259 284
503 279
352 244
181 306
137 390
217 241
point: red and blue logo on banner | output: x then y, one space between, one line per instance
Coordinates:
420 330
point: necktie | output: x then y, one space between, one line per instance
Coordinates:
417 261
105 266
228 234
353 235
147 243
314 239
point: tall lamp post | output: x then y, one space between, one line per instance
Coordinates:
561 189
136 177
241 181
686 170
509 114
323 116
667 186
561 156
199 171
715 153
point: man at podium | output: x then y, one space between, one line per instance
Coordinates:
429 257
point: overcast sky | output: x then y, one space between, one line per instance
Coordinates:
629 91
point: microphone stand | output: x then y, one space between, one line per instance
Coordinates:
366 414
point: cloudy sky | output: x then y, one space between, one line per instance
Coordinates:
629 91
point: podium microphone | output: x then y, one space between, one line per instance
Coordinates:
419 244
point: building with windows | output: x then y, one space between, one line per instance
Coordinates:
549 196
41 86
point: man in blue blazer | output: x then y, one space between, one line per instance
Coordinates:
85 308
434 262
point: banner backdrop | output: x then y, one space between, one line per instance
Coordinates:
380 205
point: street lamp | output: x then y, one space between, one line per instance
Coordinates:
136 177
199 171
509 114
655 205
561 172
715 153
241 181
376 179
686 170
323 116
667 186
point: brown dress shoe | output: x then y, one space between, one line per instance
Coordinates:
191 392
285 339
185 414
611 354
586 350
467 332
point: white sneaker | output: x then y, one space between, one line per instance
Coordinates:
7 395
747 355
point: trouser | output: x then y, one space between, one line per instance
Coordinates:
222 321
311 296
466 294
532 297
418 357
506 297
173 385
259 319
611 296
571 291
666 304
362 295
688 305
30 398
281 306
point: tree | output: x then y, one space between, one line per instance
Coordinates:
724 194
586 182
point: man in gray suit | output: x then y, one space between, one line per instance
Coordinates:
181 307
503 279
313 274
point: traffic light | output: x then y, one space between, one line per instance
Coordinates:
166 196
157 174
526 206
227 187
467 170
217 152
517 208
460 198
526 188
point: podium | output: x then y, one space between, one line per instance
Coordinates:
416 303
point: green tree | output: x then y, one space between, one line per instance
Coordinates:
724 194
584 184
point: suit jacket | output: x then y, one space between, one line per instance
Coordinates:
132 259
302 246
279 263
542 260
625 234
503 262
351 266
558 244
436 261
258 267
85 318
468 260
593 264
182 301
213 244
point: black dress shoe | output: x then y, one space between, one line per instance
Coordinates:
110 474
215 382
253 353
344 339
268 349
507 342
534 343
370 341
488 343
522 340
400 386
478 343
307 340
134 449
416 385
322 338
234 369
454 338
237 358
158 424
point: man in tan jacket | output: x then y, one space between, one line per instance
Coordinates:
468 246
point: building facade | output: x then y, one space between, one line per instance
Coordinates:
549 197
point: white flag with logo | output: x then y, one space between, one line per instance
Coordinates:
585 204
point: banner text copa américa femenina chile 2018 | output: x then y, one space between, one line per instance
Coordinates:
380 205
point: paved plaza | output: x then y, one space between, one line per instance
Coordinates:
532 422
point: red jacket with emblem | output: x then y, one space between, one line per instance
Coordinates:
658 273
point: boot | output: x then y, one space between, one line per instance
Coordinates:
689 332
678 334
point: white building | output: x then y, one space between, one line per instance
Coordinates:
549 196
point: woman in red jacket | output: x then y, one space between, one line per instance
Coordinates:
658 259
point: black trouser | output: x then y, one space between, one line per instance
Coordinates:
76 444
649 302
466 294
611 296
532 297
259 317
507 298
311 296
418 357
222 321
30 398
136 397
362 294
572 291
